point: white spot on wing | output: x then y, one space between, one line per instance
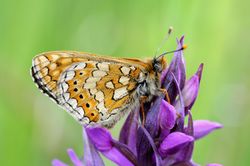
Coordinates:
64 87
99 73
93 91
92 79
68 107
43 59
124 80
103 66
66 96
101 107
68 75
90 85
132 68
80 111
99 96
85 120
125 70
73 103
54 57
35 62
110 85
120 93
80 66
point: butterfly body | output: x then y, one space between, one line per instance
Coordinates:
96 89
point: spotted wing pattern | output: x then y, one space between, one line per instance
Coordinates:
92 89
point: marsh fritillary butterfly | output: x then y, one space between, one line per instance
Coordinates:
96 89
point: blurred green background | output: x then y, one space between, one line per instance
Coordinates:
34 130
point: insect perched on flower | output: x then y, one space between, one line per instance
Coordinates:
96 89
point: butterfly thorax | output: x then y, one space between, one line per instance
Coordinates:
149 81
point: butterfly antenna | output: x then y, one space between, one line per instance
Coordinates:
184 46
164 40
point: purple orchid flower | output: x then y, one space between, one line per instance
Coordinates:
164 139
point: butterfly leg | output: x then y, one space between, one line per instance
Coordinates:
142 101
165 92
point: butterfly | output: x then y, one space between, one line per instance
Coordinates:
96 89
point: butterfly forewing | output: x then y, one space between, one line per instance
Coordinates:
92 89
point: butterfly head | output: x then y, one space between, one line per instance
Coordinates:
159 64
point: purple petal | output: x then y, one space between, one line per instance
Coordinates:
191 88
125 150
189 130
144 148
75 160
214 164
185 154
204 127
185 163
190 91
117 157
199 71
103 141
91 156
163 74
57 162
167 115
100 137
151 141
174 142
128 132
180 107
177 67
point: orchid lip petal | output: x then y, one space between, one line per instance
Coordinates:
100 137
204 127
91 156
102 140
174 142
